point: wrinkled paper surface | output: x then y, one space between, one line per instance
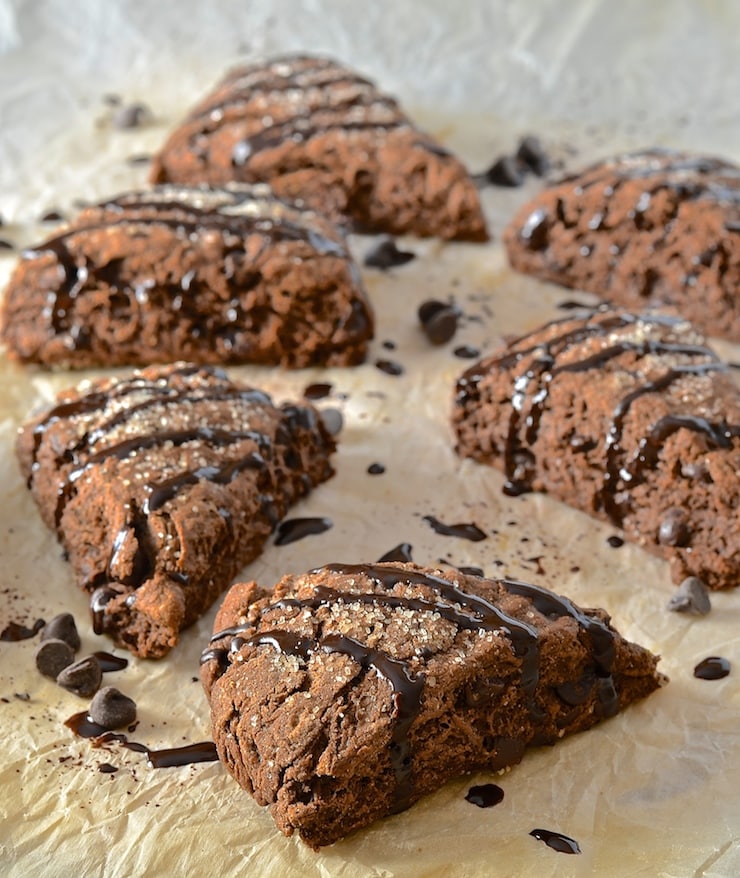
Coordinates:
652 792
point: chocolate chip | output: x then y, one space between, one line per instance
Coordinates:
83 677
386 255
52 216
673 530
131 116
62 627
438 320
531 153
333 421
691 596
53 656
112 709
505 171
390 367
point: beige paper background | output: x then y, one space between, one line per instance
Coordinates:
653 792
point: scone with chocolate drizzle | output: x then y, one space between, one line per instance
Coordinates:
161 485
652 229
351 691
230 275
630 418
318 132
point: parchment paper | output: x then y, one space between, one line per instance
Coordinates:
652 792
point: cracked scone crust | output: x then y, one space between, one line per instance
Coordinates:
228 275
629 418
353 690
652 229
161 485
318 132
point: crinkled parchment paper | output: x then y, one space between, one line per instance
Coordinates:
653 792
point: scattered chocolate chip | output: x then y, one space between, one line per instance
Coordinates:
505 171
53 656
333 421
83 677
107 768
6 245
531 153
691 596
112 709
389 345
131 116
674 530
615 542
390 367
386 255
62 627
438 320
376 469
52 216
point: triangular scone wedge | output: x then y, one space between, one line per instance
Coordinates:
219 276
318 132
628 417
353 690
657 229
161 484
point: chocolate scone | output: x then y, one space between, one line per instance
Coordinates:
651 229
231 275
353 690
318 132
161 485
629 418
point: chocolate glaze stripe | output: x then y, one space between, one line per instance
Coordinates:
122 450
524 638
277 134
649 447
188 396
614 434
550 604
98 400
316 97
406 690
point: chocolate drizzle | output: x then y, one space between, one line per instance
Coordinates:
533 385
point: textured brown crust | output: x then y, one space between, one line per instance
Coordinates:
162 485
353 690
628 418
317 131
652 229
230 275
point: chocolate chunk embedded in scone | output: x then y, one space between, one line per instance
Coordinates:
230 275
318 132
353 690
650 229
629 418
161 485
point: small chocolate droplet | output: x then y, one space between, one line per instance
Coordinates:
485 795
466 352
53 656
6 245
399 554
536 230
83 677
386 255
320 390
713 667
390 367
441 326
52 216
112 709
615 542
376 469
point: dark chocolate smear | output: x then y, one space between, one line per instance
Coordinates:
400 553
463 531
557 841
15 631
386 254
293 529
